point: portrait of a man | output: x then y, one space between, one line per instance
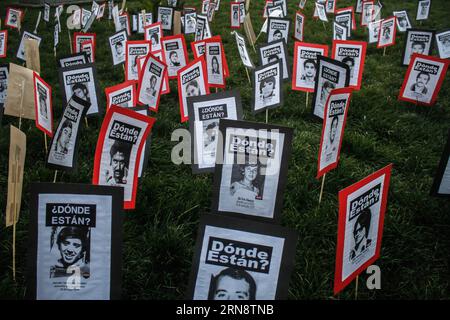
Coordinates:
419 88
174 59
81 91
361 231
192 88
117 172
63 138
232 284
309 75
267 89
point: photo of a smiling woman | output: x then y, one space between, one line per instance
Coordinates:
246 181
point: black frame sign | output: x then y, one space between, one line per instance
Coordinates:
417 41
205 113
26 35
267 84
441 183
236 259
251 169
271 52
277 29
75 242
443 43
72 60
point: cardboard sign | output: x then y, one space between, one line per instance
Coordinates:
240 260
353 54
361 216
388 31
441 182
43 105
266 84
89 49
243 52
81 80
134 50
275 51
443 44
26 35
17 153
215 62
305 65
175 52
251 170
368 14
423 9
332 74
119 150
339 32
403 22
235 20
205 113
423 79
3 43
19 101
32 55
117 43
4 74
277 29
71 60
122 95
299 26
151 79
177 22
80 37
417 41
333 127
154 34
192 81
63 149
165 16
14 18
75 242
190 21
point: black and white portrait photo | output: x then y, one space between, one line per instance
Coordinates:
150 82
143 22
81 80
43 105
215 63
374 28
277 29
443 44
353 54
26 35
204 114
154 33
441 183
117 45
299 26
133 51
165 16
417 41
3 43
423 9
190 21
339 32
267 82
175 52
344 19
243 52
403 22
305 65
386 35
13 18
3 85
275 51
77 234
123 23
89 49
239 260
235 22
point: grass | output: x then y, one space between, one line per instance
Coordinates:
159 235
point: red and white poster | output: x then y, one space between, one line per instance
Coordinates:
192 81
89 49
133 51
305 65
423 79
353 54
387 33
198 48
153 33
80 37
360 228
119 149
352 12
175 53
334 120
122 95
235 20
215 62
3 43
151 79
368 11
14 18
43 105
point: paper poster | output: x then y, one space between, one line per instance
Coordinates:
299 26
117 43
388 31
3 43
305 65
215 65
122 95
165 16
267 83
89 49
13 18
243 52
277 29
443 44
403 22
43 105
175 52
133 51
339 32
151 80
423 9
275 51
4 74
353 54
26 35
72 60
190 21
80 37
19 102
417 41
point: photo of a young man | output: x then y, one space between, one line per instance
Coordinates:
117 173
361 231
63 140
232 284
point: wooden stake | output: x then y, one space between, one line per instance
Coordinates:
267 115
86 121
45 140
14 222
356 289
248 75
22 85
307 98
325 28
54 177
384 51
70 41
321 188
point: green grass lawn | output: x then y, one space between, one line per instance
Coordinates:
159 234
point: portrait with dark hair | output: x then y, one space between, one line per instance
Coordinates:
63 139
117 172
247 182
419 88
81 91
267 90
232 284
332 141
309 74
325 92
192 88
361 231
174 59
210 133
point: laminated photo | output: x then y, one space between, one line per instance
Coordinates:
443 44
71 60
88 48
192 81
267 83
46 12
251 169
26 35
165 16
175 53
239 260
362 207
13 18
151 79
165 85
190 20
423 79
423 9
75 242
305 65
333 130
339 32
403 22
205 113
353 54
243 52
368 12
4 73
215 62
82 81
117 44
133 51
321 13
122 95
417 41
332 74
388 31
142 24
43 105
119 149
3 43
299 26
275 51
277 29
80 37
63 148
154 33
441 183
235 20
